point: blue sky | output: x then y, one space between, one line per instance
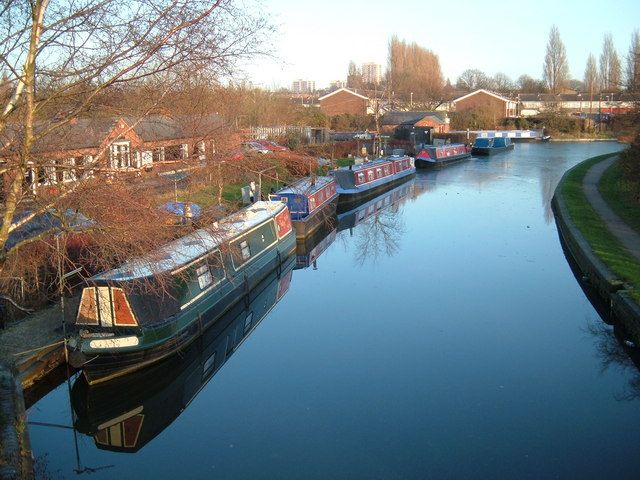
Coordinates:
316 40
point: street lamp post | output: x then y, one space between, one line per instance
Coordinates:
411 100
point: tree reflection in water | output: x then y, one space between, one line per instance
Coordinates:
614 351
378 235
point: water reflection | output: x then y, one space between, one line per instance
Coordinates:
126 414
612 344
309 249
380 224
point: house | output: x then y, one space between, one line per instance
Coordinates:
577 103
85 145
438 122
484 99
343 101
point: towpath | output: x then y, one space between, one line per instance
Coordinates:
627 236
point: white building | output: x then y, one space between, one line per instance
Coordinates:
303 86
371 73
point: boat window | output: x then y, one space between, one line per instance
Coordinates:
370 174
247 322
204 276
312 203
378 172
360 177
245 250
209 364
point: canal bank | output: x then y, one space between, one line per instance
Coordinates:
15 450
29 350
600 265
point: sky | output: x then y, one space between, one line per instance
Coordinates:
316 40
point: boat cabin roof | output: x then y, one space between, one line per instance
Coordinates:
189 248
373 163
305 186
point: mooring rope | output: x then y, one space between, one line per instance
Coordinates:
39 348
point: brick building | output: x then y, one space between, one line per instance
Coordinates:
438 122
486 100
84 145
344 101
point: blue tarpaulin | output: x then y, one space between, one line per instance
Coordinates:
178 208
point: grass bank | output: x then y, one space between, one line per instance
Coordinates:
604 244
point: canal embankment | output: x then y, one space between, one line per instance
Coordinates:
15 452
29 349
606 248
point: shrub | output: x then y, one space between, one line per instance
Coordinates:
630 165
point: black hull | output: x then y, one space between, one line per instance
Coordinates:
350 201
323 217
441 162
109 365
490 150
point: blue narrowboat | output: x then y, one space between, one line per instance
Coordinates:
153 306
128 413
360 182
491 146
311 201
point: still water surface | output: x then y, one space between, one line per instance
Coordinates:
443 337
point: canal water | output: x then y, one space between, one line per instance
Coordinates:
439 333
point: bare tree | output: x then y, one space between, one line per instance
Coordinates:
503 83
473 79
528 84
354 76
633 64
591 75
556 67
413 69
610 69
591 79
60 57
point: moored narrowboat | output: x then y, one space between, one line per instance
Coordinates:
152 307
491 146
126 414
360 182
435 156
311 201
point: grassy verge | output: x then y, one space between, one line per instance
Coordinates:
606 246
208 196
617 193
345 162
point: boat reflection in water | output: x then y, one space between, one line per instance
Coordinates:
365 210
127 413
308 251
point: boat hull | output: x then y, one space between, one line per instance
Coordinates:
347 201
321 217
490 150
423 163
179 332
